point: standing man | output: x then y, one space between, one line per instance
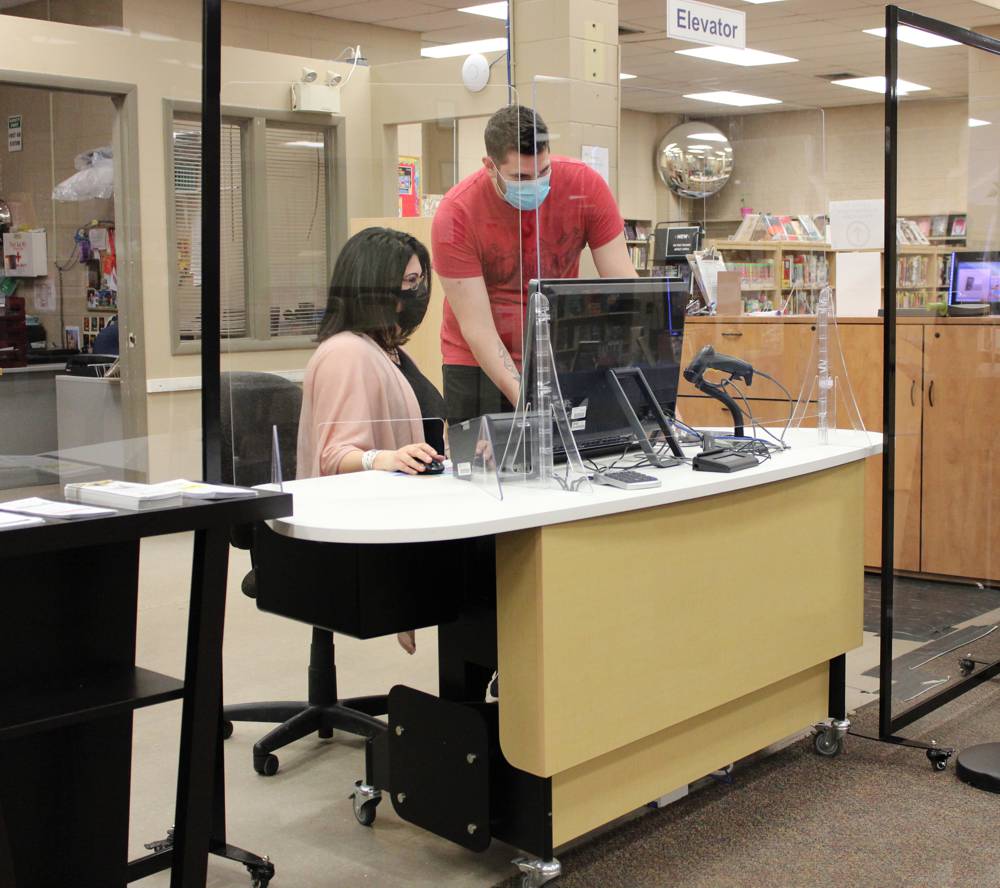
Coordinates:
486 237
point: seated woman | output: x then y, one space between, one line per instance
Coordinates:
363 399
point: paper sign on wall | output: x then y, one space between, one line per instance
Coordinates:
14 138
701 23
859 285
597 158
857 224
45 295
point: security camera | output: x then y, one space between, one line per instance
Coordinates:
333 78
308 75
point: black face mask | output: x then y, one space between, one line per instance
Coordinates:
414 307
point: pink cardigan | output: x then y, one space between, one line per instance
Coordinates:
350 385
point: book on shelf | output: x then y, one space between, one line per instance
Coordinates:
939 226
137 497
908 232
747 229
957 226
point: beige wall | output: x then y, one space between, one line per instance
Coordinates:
798 161
56 127
93 13
274 30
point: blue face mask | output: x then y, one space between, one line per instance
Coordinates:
526 195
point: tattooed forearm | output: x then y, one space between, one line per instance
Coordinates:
508 362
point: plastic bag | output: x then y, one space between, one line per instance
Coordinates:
95 177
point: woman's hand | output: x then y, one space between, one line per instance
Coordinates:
410 459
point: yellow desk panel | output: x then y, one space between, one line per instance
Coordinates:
612 630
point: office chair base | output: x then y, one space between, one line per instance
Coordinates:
299 719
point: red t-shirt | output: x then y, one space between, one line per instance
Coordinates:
476 233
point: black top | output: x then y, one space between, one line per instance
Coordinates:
432 406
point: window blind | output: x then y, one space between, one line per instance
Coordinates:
187 228
297 230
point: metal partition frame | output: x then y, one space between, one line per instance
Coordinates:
894 18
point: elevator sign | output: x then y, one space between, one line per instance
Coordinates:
701 23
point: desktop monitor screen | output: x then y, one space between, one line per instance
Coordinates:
975 277
600 324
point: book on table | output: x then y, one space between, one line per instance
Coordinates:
136 496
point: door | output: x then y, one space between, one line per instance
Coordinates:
961 454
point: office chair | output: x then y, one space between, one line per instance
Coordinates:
253 403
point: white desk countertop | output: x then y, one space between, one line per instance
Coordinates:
385 507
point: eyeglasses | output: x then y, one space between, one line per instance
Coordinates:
412 281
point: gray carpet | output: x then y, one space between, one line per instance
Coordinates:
875 816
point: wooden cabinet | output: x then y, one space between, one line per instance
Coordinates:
862 346
947 478
961 453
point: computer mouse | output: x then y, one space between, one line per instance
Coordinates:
433 468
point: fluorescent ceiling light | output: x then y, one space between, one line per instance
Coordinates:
304 144
975 121
726 97
877 85
449 50
623 76
747 58
906 34
762 1
490 10
709 137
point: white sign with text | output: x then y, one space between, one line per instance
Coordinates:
15 141
701 23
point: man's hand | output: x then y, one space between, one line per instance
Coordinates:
470 301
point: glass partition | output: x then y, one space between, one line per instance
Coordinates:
90 386
943 590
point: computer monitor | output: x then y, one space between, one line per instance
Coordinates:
975 278
598 324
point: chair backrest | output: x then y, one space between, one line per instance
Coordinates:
252 403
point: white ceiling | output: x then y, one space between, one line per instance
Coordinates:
825 35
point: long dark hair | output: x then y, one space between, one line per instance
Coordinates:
366 282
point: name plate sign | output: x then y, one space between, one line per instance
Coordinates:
702 23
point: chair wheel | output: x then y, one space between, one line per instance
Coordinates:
365 814
227 729
938 759
266 766
261 874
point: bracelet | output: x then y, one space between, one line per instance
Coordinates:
368 459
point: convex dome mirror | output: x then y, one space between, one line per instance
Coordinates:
694 160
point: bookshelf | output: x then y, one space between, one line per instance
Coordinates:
777 274
639 241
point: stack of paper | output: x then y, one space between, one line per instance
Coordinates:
43 508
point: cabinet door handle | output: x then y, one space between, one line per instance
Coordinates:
913 389
930 394
729 333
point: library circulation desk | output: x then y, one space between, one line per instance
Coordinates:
643 638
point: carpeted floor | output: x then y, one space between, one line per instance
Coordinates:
875 817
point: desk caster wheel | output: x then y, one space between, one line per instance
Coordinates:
227 730
366 799
966 666
261 873
938 758
266 765
828 743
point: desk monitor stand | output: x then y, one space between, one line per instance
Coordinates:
826 394
529 454
615 376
